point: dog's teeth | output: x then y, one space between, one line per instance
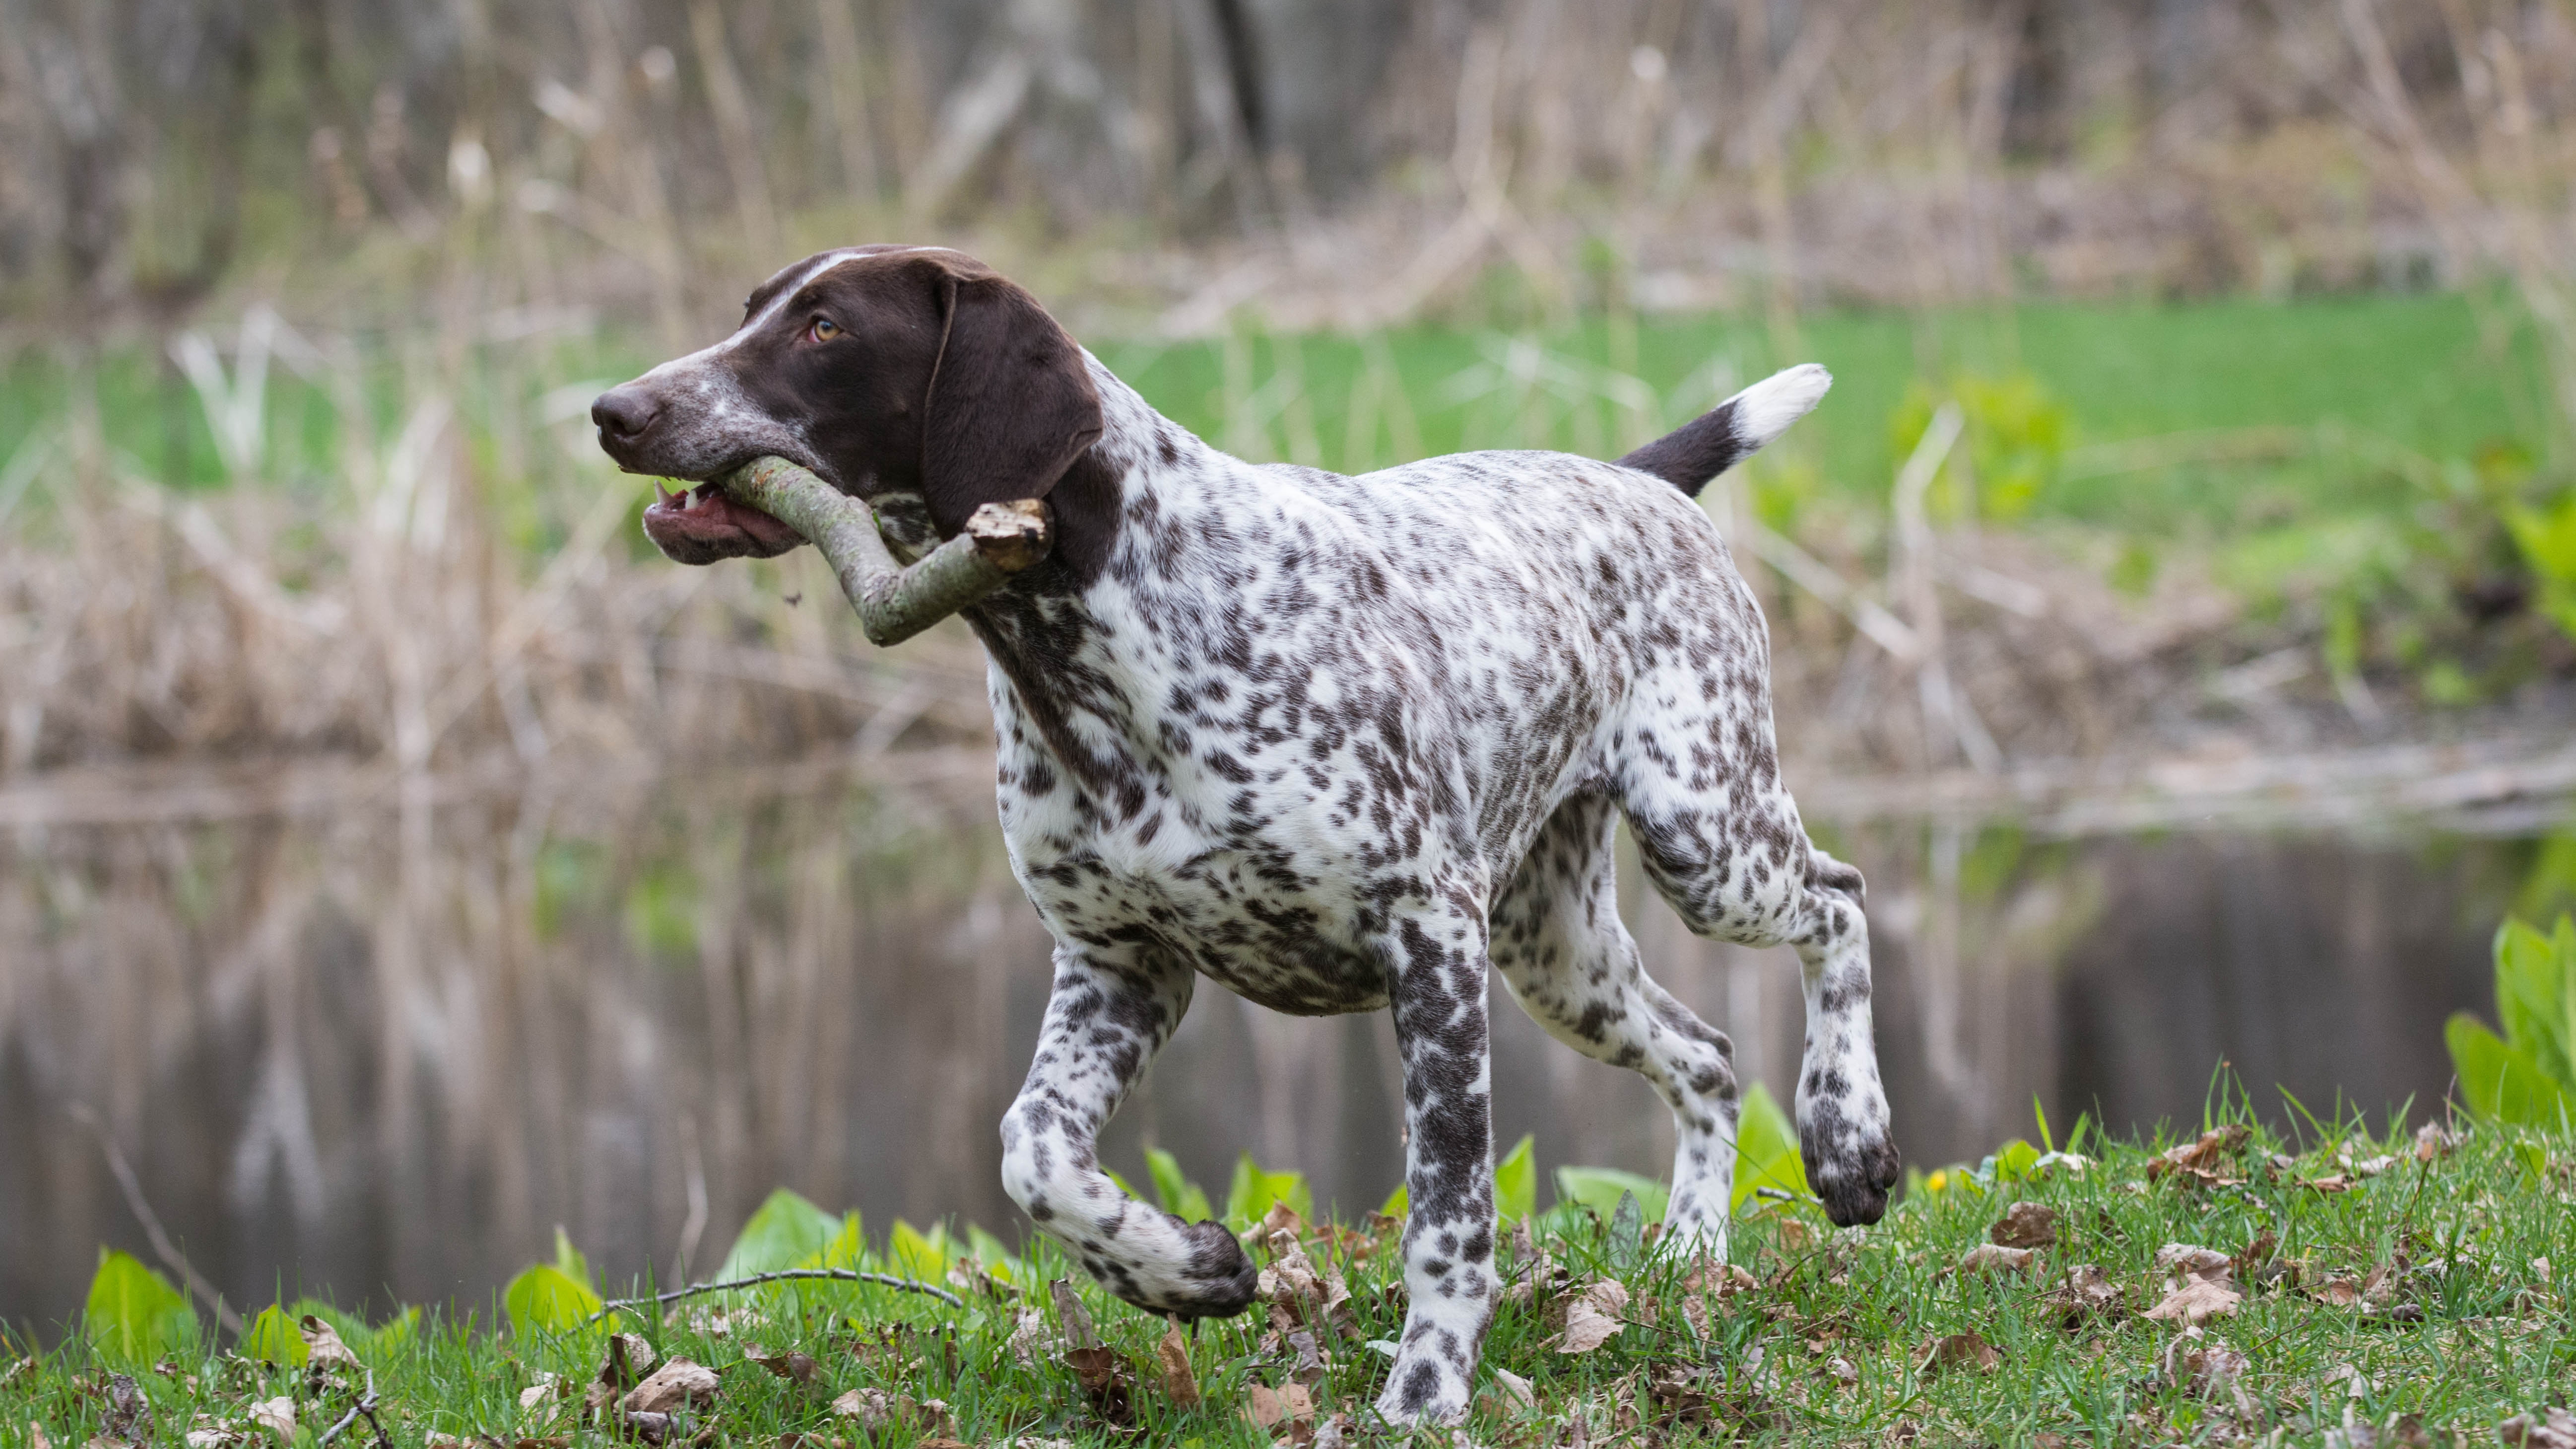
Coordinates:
661 495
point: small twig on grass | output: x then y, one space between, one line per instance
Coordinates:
365 1406
844 1275
166 1250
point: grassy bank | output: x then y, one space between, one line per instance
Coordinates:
2353 1282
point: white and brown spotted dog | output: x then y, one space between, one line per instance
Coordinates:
1337 744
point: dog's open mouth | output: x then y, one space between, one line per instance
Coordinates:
701 525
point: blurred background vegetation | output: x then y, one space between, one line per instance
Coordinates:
2174 603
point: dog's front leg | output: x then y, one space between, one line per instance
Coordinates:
1438 995
1104 1023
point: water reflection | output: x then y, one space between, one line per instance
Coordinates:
381 1053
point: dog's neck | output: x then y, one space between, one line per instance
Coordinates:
1120 512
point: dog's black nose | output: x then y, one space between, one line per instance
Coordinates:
624 412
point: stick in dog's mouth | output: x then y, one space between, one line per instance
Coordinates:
894 602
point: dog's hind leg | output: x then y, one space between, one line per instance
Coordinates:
1572 965
1721 840
1103 1025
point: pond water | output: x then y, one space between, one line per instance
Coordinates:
381 1052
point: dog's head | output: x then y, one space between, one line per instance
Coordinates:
883 369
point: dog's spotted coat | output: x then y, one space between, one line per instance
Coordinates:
1337 744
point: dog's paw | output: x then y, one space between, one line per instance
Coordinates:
1425 1391
1215 1281
1854 1181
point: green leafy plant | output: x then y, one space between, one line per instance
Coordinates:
2528 1075
133 1314
1180 1196
1249 1196
552 1298
2015 438
2547 541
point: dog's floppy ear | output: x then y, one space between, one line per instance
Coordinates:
1010 404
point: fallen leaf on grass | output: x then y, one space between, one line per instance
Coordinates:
1105 1378
2025 1225
2555 1430
1180 1384
2208 1370
1267 1408
277 1416
1962 1350
2089 1293
2198 1163
1513 1387
677 1384
2197 1301
546 1387
620 1368
875 1409
324 1349
797 1368
2337 1183
2191 1261
1593 1317
129 1414
1989 1258
2432 1141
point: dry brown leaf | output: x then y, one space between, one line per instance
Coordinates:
1074 1318
1031 1341
546 1387
2199 1162
676 1384
2192 1261
621 1367
2432 1141
1962 1350
2088 1293
1180 1383
2336 1183
1268 1408
797 1368
36 1434
2556 1429
2197 1301
1282 1219
1989 1258
1515 1388
2207 1370
277 1416
2341 1292
2025 1225
1106 1379
323 1347
128 1419
1593 1317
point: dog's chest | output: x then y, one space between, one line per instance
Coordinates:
1247 851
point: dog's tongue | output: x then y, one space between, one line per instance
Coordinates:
702 525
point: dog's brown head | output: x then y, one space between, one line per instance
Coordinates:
883 369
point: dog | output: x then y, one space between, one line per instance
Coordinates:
1337 744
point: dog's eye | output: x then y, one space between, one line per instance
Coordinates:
824 329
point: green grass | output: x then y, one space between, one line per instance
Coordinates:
2422 373
2460 1238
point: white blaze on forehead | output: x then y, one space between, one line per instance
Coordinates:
786 295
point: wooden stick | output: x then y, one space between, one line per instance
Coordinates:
894 602
839 1275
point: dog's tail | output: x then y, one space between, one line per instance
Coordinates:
1697 451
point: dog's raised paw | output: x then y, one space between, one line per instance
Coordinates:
1220 1271
1854 1186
